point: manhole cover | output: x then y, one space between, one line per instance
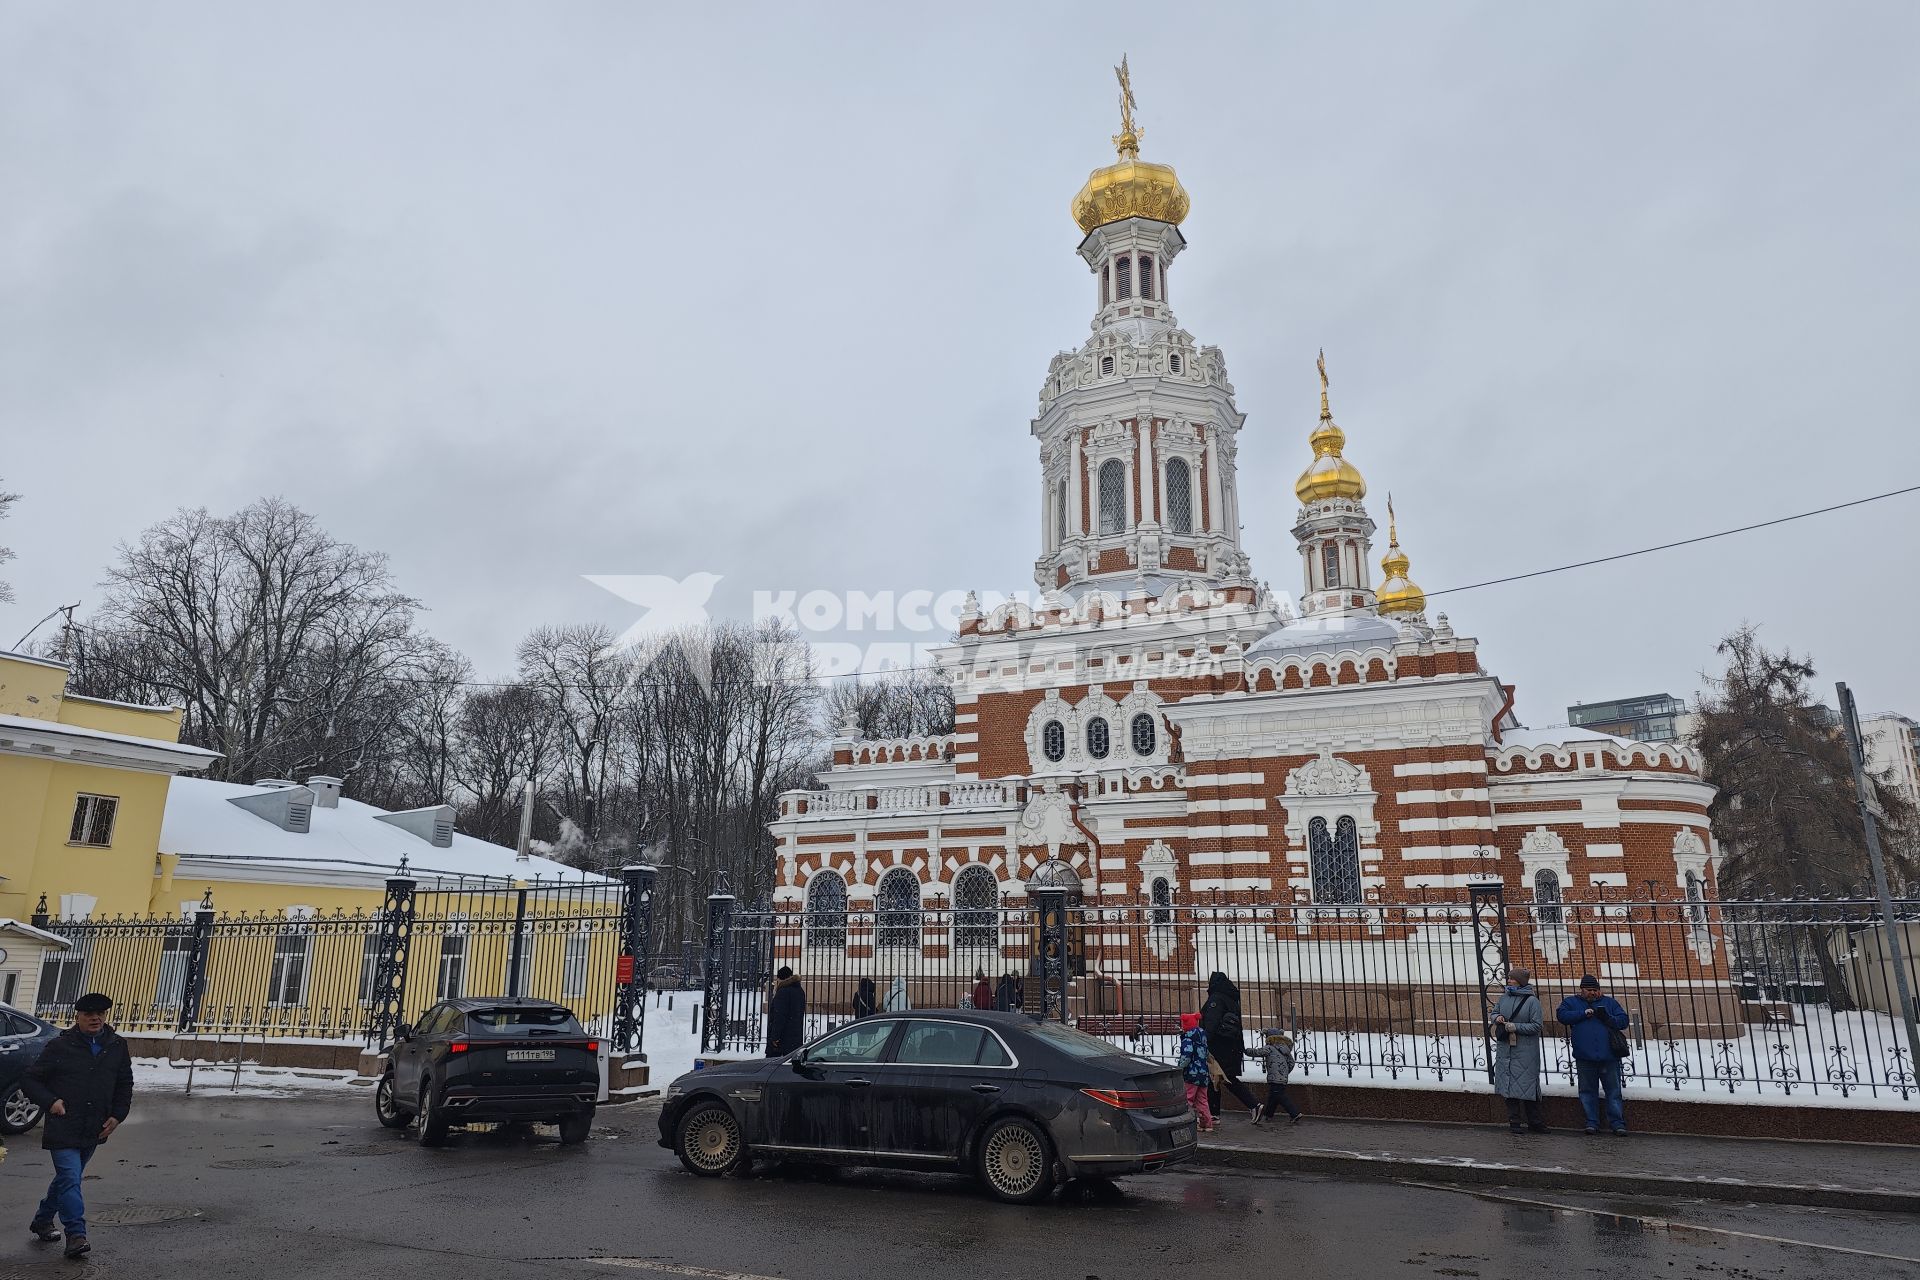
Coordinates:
389 1149
253 1162
139 1215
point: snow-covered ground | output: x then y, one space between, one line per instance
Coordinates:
251 1080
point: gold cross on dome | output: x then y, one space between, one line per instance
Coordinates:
1128 139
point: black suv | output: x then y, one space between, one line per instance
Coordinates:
487 1060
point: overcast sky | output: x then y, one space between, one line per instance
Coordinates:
518 293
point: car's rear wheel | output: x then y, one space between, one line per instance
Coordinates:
575 1129
18 1112
1016 1162
433 1116
708 1141
386 1105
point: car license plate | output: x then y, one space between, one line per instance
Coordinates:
529 1055
1183 1135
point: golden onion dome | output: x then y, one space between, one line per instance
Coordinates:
1329 475
1131 187
1398 593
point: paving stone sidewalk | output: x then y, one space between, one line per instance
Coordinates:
1876 1177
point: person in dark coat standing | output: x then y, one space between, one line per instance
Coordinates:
1515 1028
1592 1018
865 999
786 1014
982 990
84 1080
1226 1048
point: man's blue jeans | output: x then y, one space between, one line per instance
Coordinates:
63 1196
1593 1076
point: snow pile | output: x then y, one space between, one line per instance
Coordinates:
250 1080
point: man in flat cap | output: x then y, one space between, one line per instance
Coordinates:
84 1080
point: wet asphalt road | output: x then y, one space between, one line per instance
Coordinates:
313 1187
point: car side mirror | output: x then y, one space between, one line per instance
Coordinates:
798 1061
403 1031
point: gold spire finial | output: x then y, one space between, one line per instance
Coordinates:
1128 139
1398 593
1326 414
1393 528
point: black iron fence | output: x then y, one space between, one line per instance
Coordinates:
341 975
1734 999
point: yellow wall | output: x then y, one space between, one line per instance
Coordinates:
31 688
159 723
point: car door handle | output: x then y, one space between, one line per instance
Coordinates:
986 1088
859 1084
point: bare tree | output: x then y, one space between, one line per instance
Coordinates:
897 704
6 503
584 680
504 737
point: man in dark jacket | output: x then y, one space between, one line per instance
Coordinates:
786 1014
84 1080
1591 1018
1226 1043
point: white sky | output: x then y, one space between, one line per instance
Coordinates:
522 292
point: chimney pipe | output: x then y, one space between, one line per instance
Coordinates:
326 791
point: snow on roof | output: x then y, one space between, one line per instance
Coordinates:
1329 631
1565 734
64 730
347 841
33 931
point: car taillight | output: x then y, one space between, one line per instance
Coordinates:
1125 1099
458 1046
593 1046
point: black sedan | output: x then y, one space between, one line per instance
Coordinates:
489 1060
22 1037
1022 1104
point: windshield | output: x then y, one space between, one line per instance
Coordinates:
1081 1045
525 1019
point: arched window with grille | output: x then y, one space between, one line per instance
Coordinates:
1113 496
1179 496
1547 908
897 910
1173 362
827 911
1060 513
1696 901
1098 738
1143 734
1335 858
976 909
1330 564
1053 741
1122 278
1146 276
1161 914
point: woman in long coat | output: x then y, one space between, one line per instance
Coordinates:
1516 1052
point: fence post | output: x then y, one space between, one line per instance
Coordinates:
390 971
40 918
196 978
1487 903
1890 925
719 968
636 944
516 946
1051 907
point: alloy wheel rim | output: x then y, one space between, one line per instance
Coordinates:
711 1142
383 1097
1014 1160
20 1109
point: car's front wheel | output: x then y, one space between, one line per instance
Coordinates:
433 1116
386 1103
18 1112
1016 1162
708 1140
575 1129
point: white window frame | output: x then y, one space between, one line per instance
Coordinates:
87 808
576 960
451 963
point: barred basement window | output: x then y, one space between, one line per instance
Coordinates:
1546 897
93 820
1053 741
1097 742
1146 276
976 909
827 911
1143 734
1179 495
1335 860
897 921
1113 496
1123 277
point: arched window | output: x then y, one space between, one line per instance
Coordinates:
1053 741
1122 278
1146 276
1113 496
1161 892
1696 901
1173 362
1060 513
1179 495
897 922
1335 858
1097 740
826 921
1546 897
1330 564
1106 286
1143 734
976 909
1106 366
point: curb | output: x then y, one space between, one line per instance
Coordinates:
1388 1167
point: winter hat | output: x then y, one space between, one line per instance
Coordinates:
1588 980
783 972
1188 1021
93 1002
1274 1035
